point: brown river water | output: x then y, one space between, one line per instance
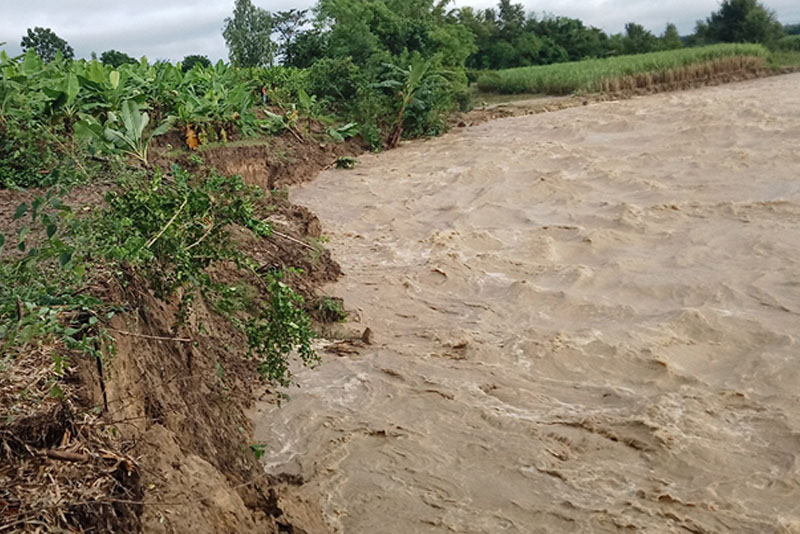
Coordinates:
584 321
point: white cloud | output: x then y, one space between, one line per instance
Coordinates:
170 29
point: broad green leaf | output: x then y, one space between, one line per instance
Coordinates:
22 209
128 114
23 233
64 257
51 230
96 72
72 88
2 241
31 63
163 127
36 205
85 131
114 79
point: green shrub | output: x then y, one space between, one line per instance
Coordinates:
166 230
790 43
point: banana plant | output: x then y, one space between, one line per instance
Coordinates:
411 79
129 137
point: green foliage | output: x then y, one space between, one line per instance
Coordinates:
168 230
336 81
40 104
592 75
790 43
280 328
742 21
370 31
329 310
343 132
288 25
346 162
638 40
306 48
127 134
46 44
248 35
416 89
259 450
190 61
41 284
116 58
671 40
172 228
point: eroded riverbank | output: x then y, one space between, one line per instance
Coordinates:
583 321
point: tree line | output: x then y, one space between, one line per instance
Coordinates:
492 38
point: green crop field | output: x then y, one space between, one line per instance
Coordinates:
604 74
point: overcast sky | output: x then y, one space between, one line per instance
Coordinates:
172 29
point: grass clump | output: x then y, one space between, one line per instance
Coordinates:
598 75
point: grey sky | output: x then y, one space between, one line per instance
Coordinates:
172 29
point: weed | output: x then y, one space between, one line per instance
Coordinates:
346 162
329 310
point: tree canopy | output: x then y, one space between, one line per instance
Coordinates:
116 58
248 35
194 59
742 21
46 44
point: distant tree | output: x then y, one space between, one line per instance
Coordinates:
579 41
615 45
306 48
195 59
248 35
46 44
511 19
792 29
288 25
638 40
671 40
370 30
115 58
700 36
743 21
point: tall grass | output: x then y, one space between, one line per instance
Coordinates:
625 72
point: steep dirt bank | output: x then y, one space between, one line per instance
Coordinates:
584 321
155 438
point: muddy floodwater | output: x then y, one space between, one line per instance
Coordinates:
584 321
